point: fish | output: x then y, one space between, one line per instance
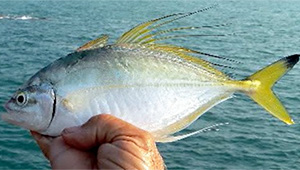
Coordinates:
156 86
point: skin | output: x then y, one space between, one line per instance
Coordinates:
104 142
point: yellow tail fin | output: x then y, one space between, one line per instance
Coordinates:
264 79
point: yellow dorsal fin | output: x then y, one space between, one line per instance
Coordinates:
184 53
148 33
96 43
133 32
149 38
136 34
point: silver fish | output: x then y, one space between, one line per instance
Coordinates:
158 87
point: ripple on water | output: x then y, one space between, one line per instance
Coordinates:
264 32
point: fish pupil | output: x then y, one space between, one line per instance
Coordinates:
20 99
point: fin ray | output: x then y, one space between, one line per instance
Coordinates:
142 35
166 139
141 39
96 43
132 34
182 52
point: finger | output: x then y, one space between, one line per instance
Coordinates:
43 142
104 128
118 157
108 164
150 158
62 156
131 148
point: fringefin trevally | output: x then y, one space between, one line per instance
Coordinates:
159 87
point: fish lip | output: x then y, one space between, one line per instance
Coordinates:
8 117
6 106
11 118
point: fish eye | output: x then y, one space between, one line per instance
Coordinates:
21 99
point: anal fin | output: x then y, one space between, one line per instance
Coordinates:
166 139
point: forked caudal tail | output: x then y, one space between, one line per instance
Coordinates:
262 82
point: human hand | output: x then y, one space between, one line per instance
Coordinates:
104 142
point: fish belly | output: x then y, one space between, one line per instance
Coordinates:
148 107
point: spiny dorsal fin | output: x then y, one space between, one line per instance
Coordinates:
96 43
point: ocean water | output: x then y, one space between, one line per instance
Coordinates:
34 33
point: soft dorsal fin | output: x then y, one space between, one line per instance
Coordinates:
136 34
96 43
187 54
149 33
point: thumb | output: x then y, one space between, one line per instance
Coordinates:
44 142
101 129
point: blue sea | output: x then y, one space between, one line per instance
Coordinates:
256 33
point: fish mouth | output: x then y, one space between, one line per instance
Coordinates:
10 109
11 118
14 119
6 106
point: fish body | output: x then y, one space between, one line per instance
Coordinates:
157 87
146 88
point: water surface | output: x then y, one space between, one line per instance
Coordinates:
34 33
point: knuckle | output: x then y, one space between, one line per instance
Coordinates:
103 116
98 119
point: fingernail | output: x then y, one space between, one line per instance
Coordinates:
74 129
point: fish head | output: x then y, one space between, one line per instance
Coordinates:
31 107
